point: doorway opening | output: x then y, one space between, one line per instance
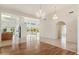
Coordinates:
62 31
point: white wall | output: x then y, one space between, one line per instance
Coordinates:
78 30
48 29
78 36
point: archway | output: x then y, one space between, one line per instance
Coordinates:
62 31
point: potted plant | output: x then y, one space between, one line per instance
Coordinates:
12 29
5 29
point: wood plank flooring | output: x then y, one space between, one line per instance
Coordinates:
44 49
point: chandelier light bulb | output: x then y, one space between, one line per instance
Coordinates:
55 17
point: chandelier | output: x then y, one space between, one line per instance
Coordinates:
40 13
55 16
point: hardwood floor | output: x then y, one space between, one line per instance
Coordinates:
44 49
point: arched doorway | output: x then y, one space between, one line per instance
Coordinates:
62 31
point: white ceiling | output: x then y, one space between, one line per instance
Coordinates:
33 8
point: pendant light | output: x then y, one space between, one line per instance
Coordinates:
55 16
40 13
